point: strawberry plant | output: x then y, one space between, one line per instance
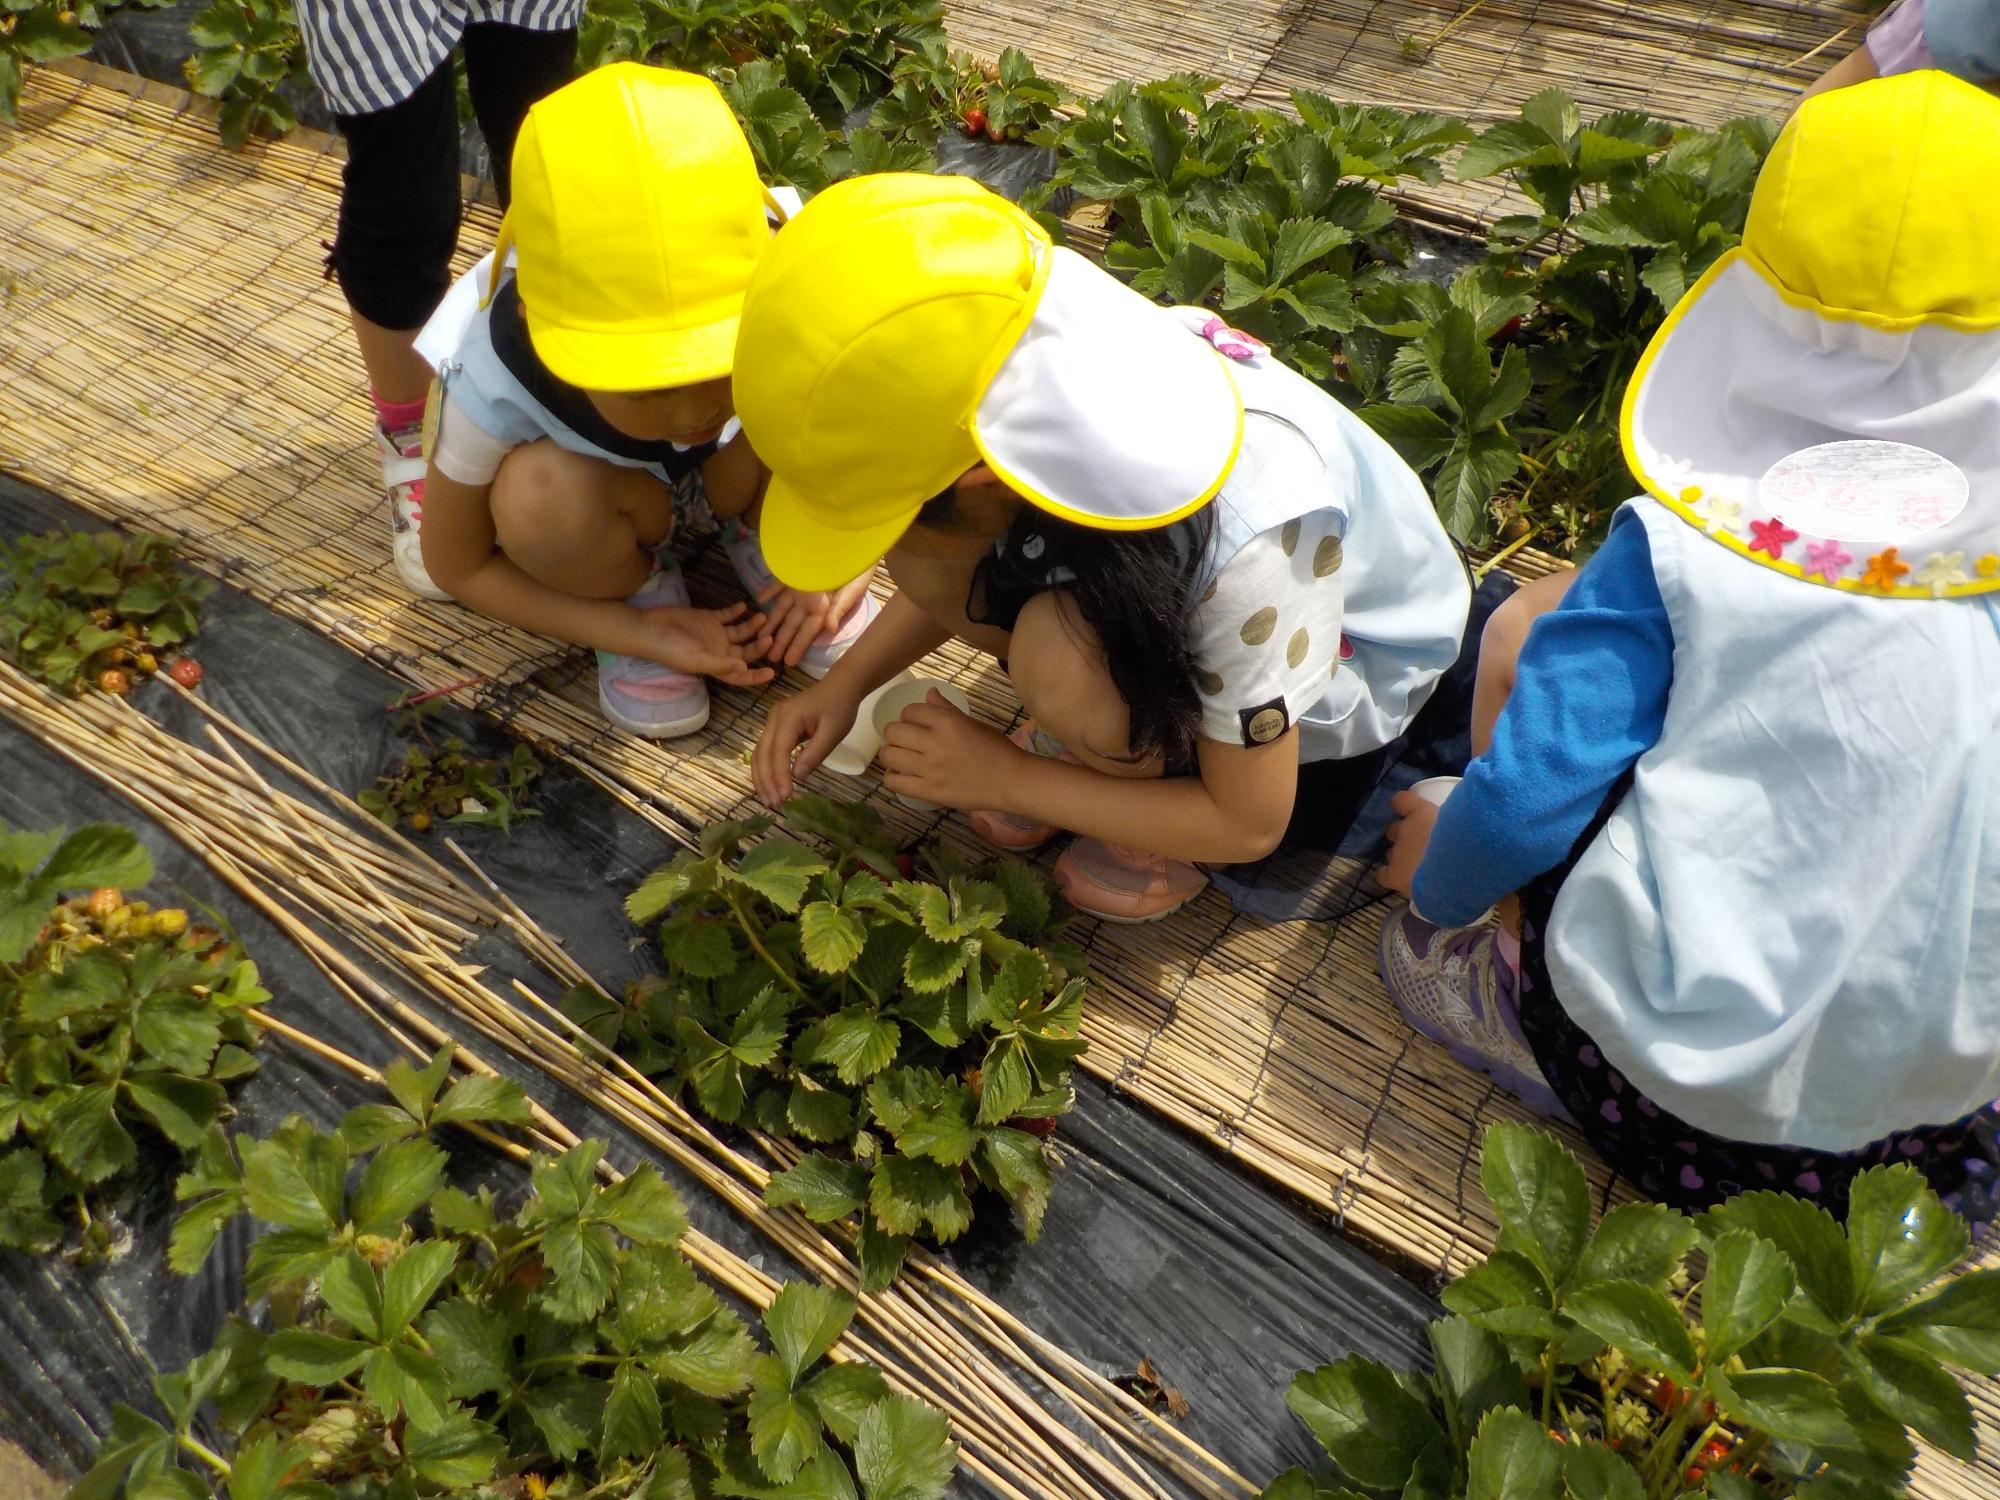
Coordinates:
43 31
789 142
1501 387
934 88
1168 139
81 610
1449 404
837 54
919 1033
438 780
247 52
417 1339
1759 1350
34 31
114 1018
1019 102
1629 216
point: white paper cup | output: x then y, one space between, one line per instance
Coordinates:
881 708
901 695
854 754
1434 789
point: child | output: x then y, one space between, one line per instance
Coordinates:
1746 781
581 412
385 69
1200 570
1960 36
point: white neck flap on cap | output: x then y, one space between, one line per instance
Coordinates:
1109 412
1842 454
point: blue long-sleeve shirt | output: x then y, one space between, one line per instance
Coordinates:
1590 697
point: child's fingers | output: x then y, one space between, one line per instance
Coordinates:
742 674
1405 802
771 761
744 632
816 749
789 638
1394 831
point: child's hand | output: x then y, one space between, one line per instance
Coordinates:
1409 836
811 724
936 753
797 618
718 643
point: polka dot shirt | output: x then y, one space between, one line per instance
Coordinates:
1267 630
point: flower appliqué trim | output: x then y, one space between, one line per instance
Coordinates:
1941 571
1885 570
1771 536
1826 560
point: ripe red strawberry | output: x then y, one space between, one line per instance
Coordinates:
1041 1128
975 121
187 672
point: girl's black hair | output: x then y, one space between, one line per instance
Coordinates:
1136 590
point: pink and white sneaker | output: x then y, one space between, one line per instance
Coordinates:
1122 885
1008 830
403 470
642 697
746 554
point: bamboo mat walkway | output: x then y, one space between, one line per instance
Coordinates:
1699 61
172 359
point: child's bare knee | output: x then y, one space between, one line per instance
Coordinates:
526 492
1507 627
1059 673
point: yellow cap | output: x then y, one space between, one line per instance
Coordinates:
1825 400
1881 202
904 328
637 220
872 326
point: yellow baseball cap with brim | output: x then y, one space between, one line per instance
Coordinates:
1826 399
904 328
636 222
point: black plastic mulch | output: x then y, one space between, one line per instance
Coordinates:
1154 1247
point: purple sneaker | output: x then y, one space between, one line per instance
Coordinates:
642 697
746 554
1452 987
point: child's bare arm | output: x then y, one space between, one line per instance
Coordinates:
459 555
734 478
1236 809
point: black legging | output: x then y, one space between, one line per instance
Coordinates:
400 202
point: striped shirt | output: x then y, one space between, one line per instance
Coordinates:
369 55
